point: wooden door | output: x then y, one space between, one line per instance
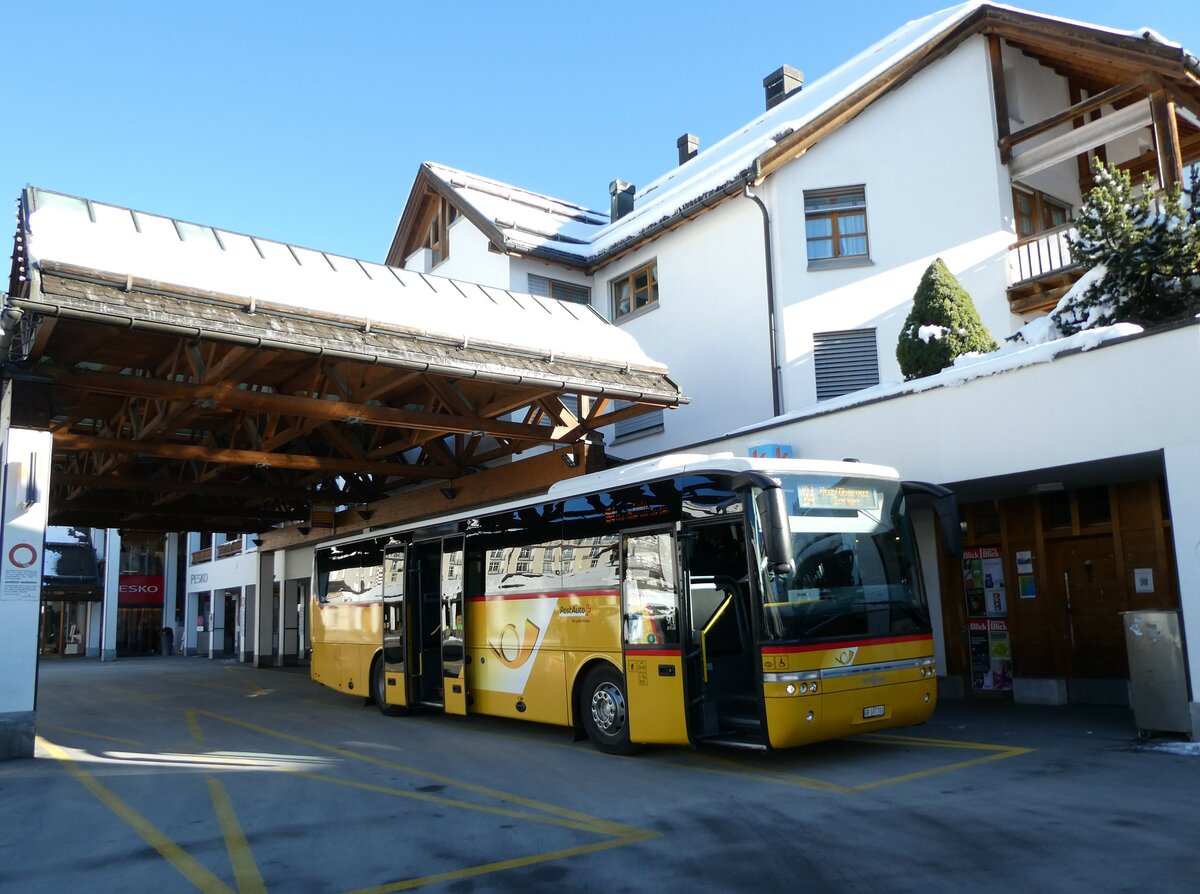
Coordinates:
1090 596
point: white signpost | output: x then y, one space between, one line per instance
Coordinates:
25 473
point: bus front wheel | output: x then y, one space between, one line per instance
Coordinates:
379 690
605 710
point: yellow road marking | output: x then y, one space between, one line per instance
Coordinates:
258 690
484 869
194 725
934 771
245 870
739 768
184 863
454 802
83 732
596 823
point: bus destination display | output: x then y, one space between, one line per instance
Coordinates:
814 495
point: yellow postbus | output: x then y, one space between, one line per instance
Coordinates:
749 602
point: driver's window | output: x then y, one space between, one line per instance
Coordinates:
649 591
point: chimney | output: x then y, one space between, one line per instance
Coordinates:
782 83
688 145
622 199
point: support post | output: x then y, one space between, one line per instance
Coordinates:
171 591
25 473
1166 139
112 589
263 611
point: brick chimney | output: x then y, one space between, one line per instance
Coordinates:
622 199
782 83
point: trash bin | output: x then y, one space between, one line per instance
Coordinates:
1157 680
168 641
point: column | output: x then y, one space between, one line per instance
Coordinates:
264 620
216 622
112 588
25 458
247 637
191 605
289 650
171 590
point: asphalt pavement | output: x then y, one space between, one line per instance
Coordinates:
178 774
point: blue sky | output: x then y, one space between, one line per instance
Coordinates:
306 122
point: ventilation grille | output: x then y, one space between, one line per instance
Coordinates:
845 361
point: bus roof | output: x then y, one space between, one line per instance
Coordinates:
639 473
692 463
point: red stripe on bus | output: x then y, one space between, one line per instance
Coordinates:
653 653
558 594
887 640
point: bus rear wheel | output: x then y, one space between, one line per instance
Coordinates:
379 690
605 710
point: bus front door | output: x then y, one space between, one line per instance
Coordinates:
725 693
650 632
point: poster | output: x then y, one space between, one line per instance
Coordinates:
999 677
973 582
981 658
987 617
1026 586
983 580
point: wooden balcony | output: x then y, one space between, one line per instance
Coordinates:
201 555
232 548
1041 270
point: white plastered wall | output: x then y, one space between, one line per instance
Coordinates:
1036 417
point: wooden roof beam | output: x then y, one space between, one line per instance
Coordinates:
295 462
229 395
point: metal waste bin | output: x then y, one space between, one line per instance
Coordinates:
1156 674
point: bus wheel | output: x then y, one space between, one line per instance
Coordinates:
379 690
605 711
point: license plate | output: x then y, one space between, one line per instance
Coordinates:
873 711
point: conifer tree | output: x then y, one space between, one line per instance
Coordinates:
942 325
1145 251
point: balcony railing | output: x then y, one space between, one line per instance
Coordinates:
1040 255
201 555
232 548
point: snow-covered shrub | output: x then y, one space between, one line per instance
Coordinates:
942 325
1142 251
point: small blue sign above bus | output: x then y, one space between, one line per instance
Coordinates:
771 451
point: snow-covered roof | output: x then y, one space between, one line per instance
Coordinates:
537 223
274 275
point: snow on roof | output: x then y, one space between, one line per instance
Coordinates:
121 241
723 163
523 217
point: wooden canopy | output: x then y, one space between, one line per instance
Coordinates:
179 408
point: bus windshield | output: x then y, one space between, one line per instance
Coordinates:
855 567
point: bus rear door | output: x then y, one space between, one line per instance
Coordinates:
435 606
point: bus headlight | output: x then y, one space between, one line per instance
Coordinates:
791 689
809 716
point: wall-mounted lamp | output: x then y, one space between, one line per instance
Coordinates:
447 492
257 542
569 458
365 514
305 530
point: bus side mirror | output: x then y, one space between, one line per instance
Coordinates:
777 534
945 507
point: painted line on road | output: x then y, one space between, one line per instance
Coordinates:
245 869
731 767
184 863
598 824
486 868
237 672
83 732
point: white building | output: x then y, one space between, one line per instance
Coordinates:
772 273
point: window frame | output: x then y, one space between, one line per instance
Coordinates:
835 215
650 268
1041 205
